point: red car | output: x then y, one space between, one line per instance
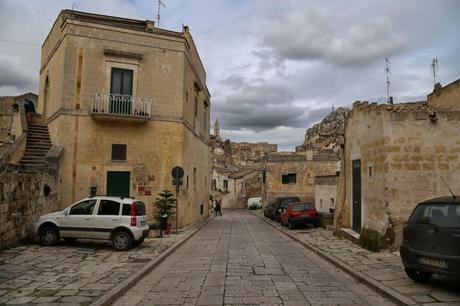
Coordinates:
299 213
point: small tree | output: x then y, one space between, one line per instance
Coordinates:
165 204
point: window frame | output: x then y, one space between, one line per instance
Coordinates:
87 200
125 152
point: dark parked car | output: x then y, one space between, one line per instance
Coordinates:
299 214
274 209
431 239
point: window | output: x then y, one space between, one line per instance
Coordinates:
290 178
214 184
196 106
186 96
443 215
370 171
194 178
119 152
121 82
225 185
187 181
108 208
303 206
126 210
83 208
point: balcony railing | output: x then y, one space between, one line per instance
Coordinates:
121 106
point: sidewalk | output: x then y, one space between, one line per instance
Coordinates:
384 269
75 273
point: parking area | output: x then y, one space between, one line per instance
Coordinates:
72 273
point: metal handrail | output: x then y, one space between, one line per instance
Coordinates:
121 105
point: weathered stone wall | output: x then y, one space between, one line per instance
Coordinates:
403 153
325 193
445 98
23 201
306 170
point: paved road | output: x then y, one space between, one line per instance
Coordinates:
238 259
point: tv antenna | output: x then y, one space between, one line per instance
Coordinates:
160 3
453 195
388 72
434 67
73 5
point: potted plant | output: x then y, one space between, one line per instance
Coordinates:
165 205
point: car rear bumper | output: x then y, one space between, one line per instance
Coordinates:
411 259
305 220
140 232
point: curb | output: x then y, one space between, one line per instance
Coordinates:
384 290
117 291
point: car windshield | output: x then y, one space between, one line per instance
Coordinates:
286 201
303 206
443 215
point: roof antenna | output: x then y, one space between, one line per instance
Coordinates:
73 6
388 72
160 3
434 66
453 195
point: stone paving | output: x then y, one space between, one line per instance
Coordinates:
71 273
385 267
239 259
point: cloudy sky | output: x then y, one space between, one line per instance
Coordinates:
273 67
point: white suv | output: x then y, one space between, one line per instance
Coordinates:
121 220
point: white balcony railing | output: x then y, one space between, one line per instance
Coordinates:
121 105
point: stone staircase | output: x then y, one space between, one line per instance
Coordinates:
38 145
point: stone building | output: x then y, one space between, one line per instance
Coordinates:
396 156
127 101
290 174
326 193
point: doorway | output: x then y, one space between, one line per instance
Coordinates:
356 211
118 183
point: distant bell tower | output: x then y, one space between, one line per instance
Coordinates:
217 129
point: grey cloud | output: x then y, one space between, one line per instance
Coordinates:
13 75
262 106
314 33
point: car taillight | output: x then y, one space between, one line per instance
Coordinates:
133 214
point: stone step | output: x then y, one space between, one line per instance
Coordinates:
38 141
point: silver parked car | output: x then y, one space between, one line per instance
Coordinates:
121 220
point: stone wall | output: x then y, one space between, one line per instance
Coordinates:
404 151
325 193
22 201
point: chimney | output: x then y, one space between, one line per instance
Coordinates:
149 25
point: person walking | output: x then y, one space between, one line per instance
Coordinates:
218 208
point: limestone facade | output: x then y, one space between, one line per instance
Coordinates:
294 175
400 154
326 193
80 60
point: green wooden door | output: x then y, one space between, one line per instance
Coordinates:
118 183
356 165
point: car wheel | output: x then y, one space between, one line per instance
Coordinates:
316 224
122 241
49 236
138 242
418 276
290 224
70 240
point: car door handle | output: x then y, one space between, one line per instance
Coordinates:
86 219
115 219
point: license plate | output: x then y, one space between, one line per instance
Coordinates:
438 263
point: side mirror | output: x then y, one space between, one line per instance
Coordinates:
66 212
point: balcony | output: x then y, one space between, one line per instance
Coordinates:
114 106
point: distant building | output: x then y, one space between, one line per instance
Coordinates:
396 156
127 101
290 174
326 193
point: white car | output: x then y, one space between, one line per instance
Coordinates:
120 220
254 203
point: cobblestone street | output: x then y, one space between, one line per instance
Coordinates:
384 267
238 259
71 273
